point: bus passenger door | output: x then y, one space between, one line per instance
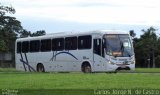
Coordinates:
97 55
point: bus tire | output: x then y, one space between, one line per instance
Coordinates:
40 67
86 67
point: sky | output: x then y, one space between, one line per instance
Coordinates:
86 15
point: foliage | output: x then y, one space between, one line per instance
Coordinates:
3 46
38 33
6 9
146 48
8 23
24 33
10 29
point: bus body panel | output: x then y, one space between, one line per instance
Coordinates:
70 60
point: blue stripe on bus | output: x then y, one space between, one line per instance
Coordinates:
26 63
23 63
66 53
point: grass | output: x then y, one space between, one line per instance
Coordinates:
8 70
137 70
11 79
148 70
78 81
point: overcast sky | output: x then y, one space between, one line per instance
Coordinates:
85 15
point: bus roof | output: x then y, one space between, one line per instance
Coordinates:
65 34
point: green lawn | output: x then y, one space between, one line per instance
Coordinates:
78 80
137 70
150 70
6 70
10 79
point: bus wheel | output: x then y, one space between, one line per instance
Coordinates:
40 68
86 68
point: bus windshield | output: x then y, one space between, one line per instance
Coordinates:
118 45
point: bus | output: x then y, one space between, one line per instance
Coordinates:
93 51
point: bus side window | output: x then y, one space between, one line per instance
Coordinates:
71 43
25 46
46 45
34 46
19 45
97 46
58 44
84 42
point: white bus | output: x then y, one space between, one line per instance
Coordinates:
95 51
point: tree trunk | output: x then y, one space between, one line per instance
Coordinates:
148 63
154 65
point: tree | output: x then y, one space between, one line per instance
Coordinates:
3 46
9 27
24 33
151 41
146 48
6 9
38 33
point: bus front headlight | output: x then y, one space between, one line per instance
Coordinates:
110 62
132 62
